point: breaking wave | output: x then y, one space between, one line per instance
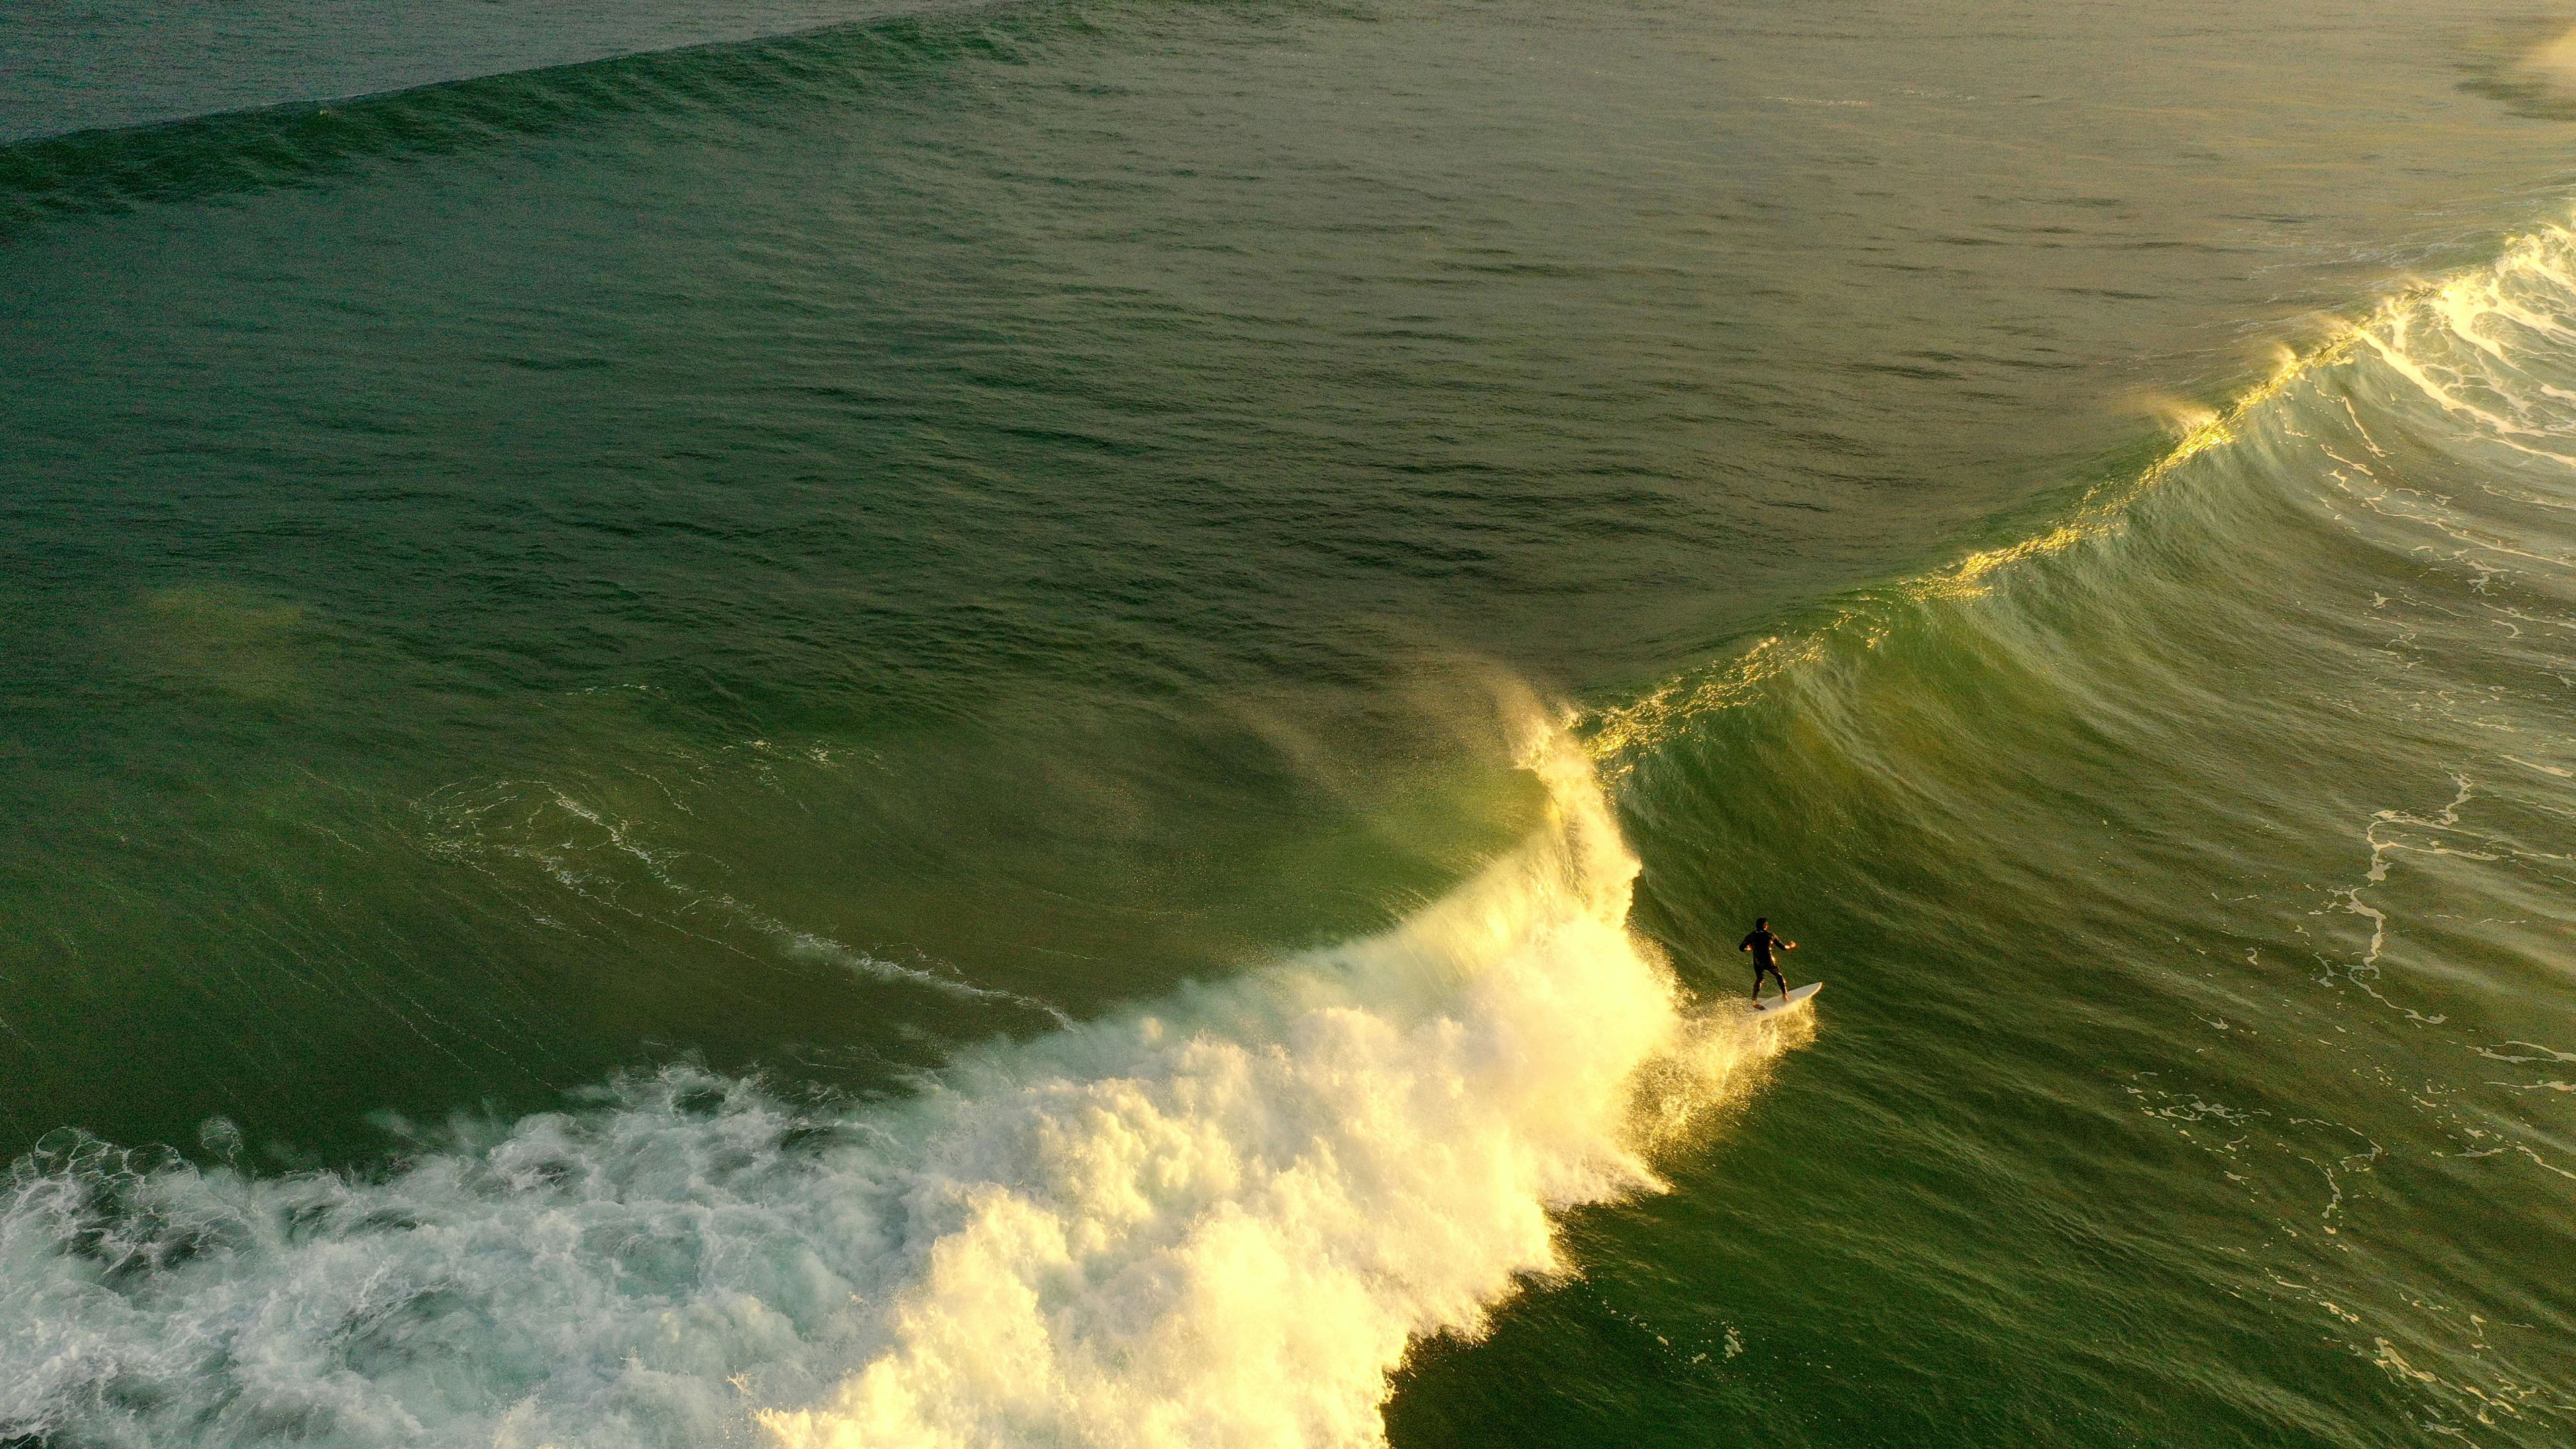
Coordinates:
1217 1219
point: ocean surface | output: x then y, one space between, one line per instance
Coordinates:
1048 724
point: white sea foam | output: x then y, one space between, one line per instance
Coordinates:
1216 1221
2481 344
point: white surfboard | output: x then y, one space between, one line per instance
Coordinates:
1792 1001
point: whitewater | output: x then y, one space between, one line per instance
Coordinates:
1217 1219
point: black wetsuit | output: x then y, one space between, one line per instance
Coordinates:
1760 944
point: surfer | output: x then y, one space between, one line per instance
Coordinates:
1762 943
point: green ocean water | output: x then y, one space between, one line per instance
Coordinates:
1049 725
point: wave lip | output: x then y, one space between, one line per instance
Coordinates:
1220 1220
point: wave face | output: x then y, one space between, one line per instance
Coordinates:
1218 1220
2208 851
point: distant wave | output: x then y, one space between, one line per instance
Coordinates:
772 81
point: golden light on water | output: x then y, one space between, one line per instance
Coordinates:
1616 735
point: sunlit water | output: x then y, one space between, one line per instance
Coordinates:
1049 725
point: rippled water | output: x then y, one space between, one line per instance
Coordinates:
1048 724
